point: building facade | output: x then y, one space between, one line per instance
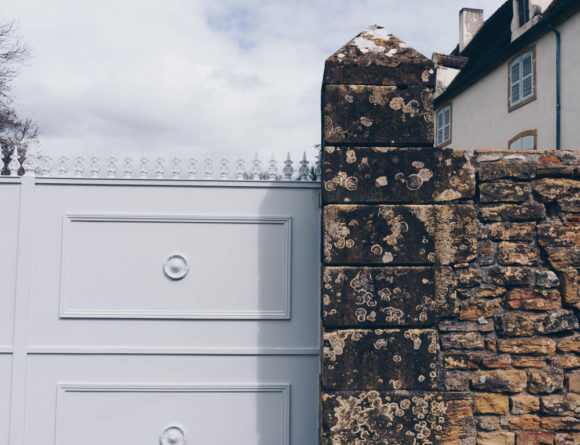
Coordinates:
499 87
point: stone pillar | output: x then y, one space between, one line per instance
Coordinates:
398 219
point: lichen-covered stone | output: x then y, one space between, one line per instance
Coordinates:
462 340
567 439
570 285
506 170
567 361
487 423
380 359
399 235
500 380
393 175
376 57
564 258
518 324
476 308
534 299
569 204
539 345
504 191
512 231
513 212
377 115
466 326
511 276
459 360
551 235
569 344
518 254
383 297
550 189
380 418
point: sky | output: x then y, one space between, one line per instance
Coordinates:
197 77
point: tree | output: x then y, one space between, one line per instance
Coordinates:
15 133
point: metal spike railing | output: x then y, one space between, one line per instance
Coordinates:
160 168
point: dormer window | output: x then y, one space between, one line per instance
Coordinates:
523 11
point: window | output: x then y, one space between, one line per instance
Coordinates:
526 140
444 126
522 79
523 11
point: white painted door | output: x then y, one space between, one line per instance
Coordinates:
155 312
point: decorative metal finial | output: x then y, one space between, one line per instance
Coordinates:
273 169
95 167
144 167
303 171
224 168
240 169
175 168
192 168
128 167
208 168
112 167
288 169
256 168
79 167
160 168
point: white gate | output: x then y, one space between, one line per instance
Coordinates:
147 311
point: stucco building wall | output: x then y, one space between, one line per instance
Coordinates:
480 116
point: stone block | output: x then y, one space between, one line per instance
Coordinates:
512 212
378 115
534 299
550 235
535 438
561 404
394 175
470 277
521 324
457 380
497 361
462 340
564 258
518 254
383 297
490 403
569 344
538 345
551 189
567 361
546 278
570 279
506 170
500 380
526 422
569 204
504 191
375 57
399 235
568 423
573 381
510 231
459 360
567 439
525 404
529 362
511 276
380 418
380 359
466 326
545 381
487 423
495 438
475 308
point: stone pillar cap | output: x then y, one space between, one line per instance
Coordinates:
376 57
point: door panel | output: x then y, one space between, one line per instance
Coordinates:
219 400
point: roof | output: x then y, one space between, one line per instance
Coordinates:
492 44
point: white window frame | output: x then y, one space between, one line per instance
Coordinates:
517 82
443 125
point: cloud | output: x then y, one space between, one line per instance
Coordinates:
179 76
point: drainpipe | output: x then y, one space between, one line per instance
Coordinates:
558 42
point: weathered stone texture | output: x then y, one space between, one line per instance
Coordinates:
387 297
375 57
383 418
399 235
378 115
380 359
394 175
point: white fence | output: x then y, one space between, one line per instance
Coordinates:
163 168
159 301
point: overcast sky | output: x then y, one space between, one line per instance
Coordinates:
198 76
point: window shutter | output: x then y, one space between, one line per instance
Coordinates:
515 81
446 123
527 76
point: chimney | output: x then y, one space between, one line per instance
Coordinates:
470 20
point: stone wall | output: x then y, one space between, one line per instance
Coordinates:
450 297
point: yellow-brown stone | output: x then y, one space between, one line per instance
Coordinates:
490 403
537 345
